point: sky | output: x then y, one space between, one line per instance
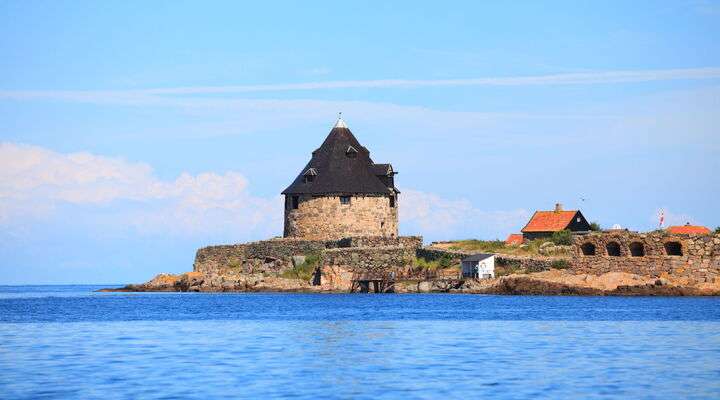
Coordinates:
132 133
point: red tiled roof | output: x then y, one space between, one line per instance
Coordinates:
514 238
689 229
549 221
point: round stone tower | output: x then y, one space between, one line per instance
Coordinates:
341 193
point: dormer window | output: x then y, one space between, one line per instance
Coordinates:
310 175
351 152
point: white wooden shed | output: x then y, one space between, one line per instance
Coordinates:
480 266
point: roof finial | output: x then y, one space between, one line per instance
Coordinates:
340 123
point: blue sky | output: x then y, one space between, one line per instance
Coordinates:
135 132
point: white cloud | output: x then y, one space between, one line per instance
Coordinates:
34 181
437 218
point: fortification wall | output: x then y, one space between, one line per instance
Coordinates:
369 260
325 218
275 256
529 264
689 258
414 242
267 256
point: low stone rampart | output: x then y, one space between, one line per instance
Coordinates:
275 256
529 264
369 259
687 258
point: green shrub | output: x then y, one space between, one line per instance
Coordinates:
563 238
234 263
508 269
594 226
560 264
717 230
305 270
443 262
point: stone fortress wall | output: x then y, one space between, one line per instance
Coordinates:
326 218
692 258
358 254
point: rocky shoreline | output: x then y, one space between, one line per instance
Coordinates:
548 283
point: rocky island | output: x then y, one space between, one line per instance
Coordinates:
341 235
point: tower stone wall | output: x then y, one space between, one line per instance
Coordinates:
326 218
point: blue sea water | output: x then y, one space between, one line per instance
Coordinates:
72 343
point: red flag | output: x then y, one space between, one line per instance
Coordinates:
662 218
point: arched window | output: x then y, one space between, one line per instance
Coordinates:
588 249
673 248
637 249
613 249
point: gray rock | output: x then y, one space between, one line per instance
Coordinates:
298 260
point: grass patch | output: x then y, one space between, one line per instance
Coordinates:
305 270
441 263
234 263
562 238
530 248
508 269
560 264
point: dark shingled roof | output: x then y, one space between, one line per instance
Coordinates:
337 173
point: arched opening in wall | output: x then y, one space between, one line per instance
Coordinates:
588 249
637 249
613 249
673 248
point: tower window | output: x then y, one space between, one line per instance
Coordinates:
345 200
351 152
310 175
295 202
392 201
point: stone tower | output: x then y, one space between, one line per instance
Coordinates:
342 193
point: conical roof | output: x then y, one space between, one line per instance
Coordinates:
340 166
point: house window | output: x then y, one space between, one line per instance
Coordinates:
673 248
309 178
392 201
613 249
295 202
579 219
345 200
637 249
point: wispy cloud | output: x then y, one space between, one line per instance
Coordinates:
35 182
583 78
437 217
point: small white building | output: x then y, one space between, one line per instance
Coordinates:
480 266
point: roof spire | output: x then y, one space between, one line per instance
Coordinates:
340 123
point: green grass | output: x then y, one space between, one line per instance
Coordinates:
560 264
305 270
433 265
530 248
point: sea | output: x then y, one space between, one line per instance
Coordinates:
71 342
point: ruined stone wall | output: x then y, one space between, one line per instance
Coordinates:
699 260
529 264
257 257
325 218
382 241
272 257
370 260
